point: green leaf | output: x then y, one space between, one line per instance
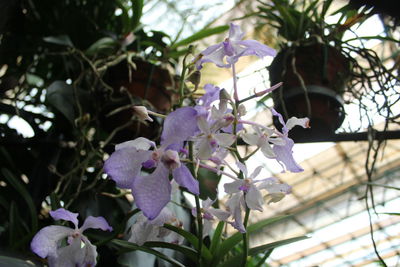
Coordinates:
264 258
125 19
233 240
105 43
216 239
59 40
13 220
262 248
14 262
192 239
21 189
137 12
233 261
128 246
187 251
61 97
200 35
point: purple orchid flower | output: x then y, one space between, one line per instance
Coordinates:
247 192
153 192
48 242
228 52
284 151
209 139
144 230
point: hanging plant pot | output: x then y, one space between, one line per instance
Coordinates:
313 79
145 82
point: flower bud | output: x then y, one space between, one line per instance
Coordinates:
142 113
224 95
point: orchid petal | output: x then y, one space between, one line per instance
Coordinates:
222 215
139 143
96 223
184 178
68 256
66 215
234 204
45 242
211 95
165 216
280 118
243 168
204 149
235 33
152 192
207 203
267 150
214 54
179 126
233 187
143 231
256 48
256 172
293 121
250 139
90 253
225 139
207 227
203 125
284 155
125 164
254 199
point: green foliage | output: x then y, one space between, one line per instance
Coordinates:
220 252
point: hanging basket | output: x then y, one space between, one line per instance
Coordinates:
313 79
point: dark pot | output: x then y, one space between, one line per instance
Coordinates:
324 71
146 82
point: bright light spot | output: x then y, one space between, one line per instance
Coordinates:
4 118
25 178
68 81
118 12
21 126
3 70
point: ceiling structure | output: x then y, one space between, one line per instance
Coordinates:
328 204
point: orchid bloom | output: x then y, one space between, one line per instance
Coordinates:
284 151
208 213
262 138
253 197
144 230
153 192
228 52
209 139
247 192
78 251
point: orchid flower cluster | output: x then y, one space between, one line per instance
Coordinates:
193 137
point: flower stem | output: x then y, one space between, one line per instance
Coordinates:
245 238
235 91
198 209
